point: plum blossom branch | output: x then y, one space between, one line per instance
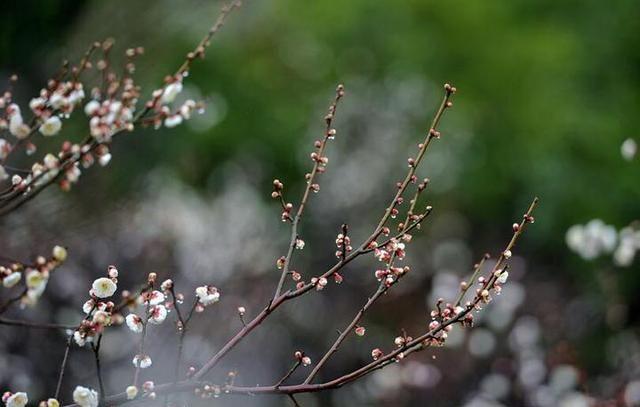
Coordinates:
319 164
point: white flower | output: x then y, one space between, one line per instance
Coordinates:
591 240
628 149
299 244
103 287
626 250
57 101
91 107
166 284
36 283
144 361
17 127
134 323
53 403
156 297
157 314
51 126
36 104
76 96
104 159
85 397
170 92
132 392
12 279
50 161
207 295
87 307
79 339
502 278
19 399
101 318
59 253
3 173
173 121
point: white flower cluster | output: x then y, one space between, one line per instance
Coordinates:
592 240
156 312
167 96
628 245
99 313
85 397
109 117
19 399
207 295
596 238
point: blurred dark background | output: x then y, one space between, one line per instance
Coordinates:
547 93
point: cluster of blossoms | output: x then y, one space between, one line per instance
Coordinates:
343 243
98 312
82 396
287 207
148 388
112 109
85 397
207 295
596 238
161 102
36 275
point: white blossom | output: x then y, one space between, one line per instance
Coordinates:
59 253
156 297
51 126
12 279
591 240
134 323
502 278
173 121
170 92
79 338
104 159
85 397
3 173
58 101
132 392
19 399
91 107
87 307
207 295
629 244
144 361
50 161
629 149
103 287
157 314
36 284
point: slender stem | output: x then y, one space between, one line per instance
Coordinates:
288 295
305 196
289 373
63 365
96 354
476 270
33 325
343 335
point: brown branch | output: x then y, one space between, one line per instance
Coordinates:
288 295
33 324
310 183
